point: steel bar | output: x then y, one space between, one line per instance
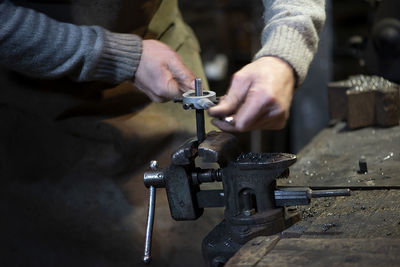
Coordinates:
330 193
200 126
150 223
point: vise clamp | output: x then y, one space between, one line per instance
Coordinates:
253 205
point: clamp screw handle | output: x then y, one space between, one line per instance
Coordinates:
150 217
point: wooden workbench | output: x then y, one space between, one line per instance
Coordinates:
360 230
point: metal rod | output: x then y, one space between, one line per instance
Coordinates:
330 193
198 87
150 222
200 126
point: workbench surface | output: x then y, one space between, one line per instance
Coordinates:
360 230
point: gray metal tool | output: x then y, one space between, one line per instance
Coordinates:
253 205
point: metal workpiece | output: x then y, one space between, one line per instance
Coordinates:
297 196
207 100
198 87
198 99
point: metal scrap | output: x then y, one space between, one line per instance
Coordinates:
364 101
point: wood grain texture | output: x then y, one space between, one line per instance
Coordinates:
333 252
330 160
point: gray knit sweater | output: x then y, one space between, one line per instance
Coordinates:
36 45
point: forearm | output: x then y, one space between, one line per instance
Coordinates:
291 32
36 45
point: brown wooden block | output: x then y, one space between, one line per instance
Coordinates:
360 108
338 100
387 107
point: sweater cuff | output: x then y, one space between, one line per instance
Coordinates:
289 45
120 57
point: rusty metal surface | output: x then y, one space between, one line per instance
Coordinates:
331 160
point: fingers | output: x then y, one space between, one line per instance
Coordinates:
161 74
235 97
257 104
259 97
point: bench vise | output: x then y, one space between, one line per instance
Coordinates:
253 205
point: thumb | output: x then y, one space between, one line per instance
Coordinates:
182 74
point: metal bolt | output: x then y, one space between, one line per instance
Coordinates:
154 165
198 87
188 106
362 163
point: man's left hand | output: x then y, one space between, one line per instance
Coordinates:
259 97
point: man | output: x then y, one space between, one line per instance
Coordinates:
260 93
66 72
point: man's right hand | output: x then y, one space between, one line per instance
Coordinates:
161 74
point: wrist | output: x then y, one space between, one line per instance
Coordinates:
120 57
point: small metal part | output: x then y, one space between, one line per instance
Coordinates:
153 165
246 198
198 87
154 178
297 196
188 106
204 101
362 163
229 120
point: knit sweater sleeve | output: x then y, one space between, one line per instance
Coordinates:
36 45
291 32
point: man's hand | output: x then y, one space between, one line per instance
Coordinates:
161 74
259 97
